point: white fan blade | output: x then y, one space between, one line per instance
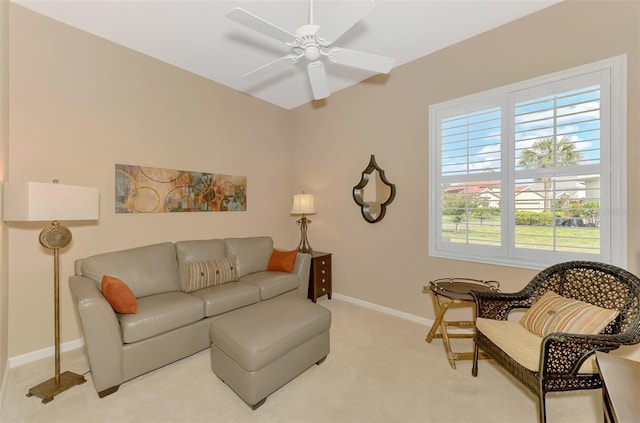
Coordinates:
258 24
318 79
361 60
272 67
345 15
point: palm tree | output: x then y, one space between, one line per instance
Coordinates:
547 153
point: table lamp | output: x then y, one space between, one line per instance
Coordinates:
36 201
303 205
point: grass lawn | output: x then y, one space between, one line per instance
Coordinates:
585 239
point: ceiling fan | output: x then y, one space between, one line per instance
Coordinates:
313 43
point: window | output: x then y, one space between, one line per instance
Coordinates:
533 173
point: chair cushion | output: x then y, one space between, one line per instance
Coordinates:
521 344
226 297
272 284
206 273
160 313
554 313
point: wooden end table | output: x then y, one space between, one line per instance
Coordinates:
320 275
452 292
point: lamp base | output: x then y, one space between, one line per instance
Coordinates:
48 389
303 246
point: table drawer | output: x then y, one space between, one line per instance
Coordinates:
320 277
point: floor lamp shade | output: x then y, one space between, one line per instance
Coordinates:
36 201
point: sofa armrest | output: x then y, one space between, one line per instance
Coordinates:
102 335
302 268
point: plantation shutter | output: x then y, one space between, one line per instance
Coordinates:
556 192
528 174
470 161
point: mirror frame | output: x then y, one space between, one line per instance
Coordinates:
358 196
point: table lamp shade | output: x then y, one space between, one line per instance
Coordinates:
38 201
303 204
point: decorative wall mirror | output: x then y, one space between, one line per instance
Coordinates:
373 193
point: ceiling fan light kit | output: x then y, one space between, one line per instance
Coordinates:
308 43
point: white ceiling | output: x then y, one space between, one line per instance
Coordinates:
195 35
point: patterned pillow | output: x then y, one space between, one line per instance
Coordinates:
554 313
207 273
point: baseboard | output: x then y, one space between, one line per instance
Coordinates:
43 353
421 320
407 316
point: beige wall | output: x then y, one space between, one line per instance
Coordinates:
387 263
4 149
80 104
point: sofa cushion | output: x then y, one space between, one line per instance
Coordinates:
282 261
554 313
200 249
206 273
148 270
118 295
272 284
253 253
521 344
229 296
160 313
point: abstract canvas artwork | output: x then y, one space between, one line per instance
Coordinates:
140 189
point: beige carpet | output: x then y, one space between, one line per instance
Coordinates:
380 369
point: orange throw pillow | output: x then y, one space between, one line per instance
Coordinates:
119 295
282 261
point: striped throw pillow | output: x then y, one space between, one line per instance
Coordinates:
207 273
554 313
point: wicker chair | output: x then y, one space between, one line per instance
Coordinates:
562 354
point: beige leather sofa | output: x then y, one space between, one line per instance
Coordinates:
169 323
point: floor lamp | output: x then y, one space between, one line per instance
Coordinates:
303 204
36 201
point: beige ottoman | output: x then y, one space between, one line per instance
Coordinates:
259 348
